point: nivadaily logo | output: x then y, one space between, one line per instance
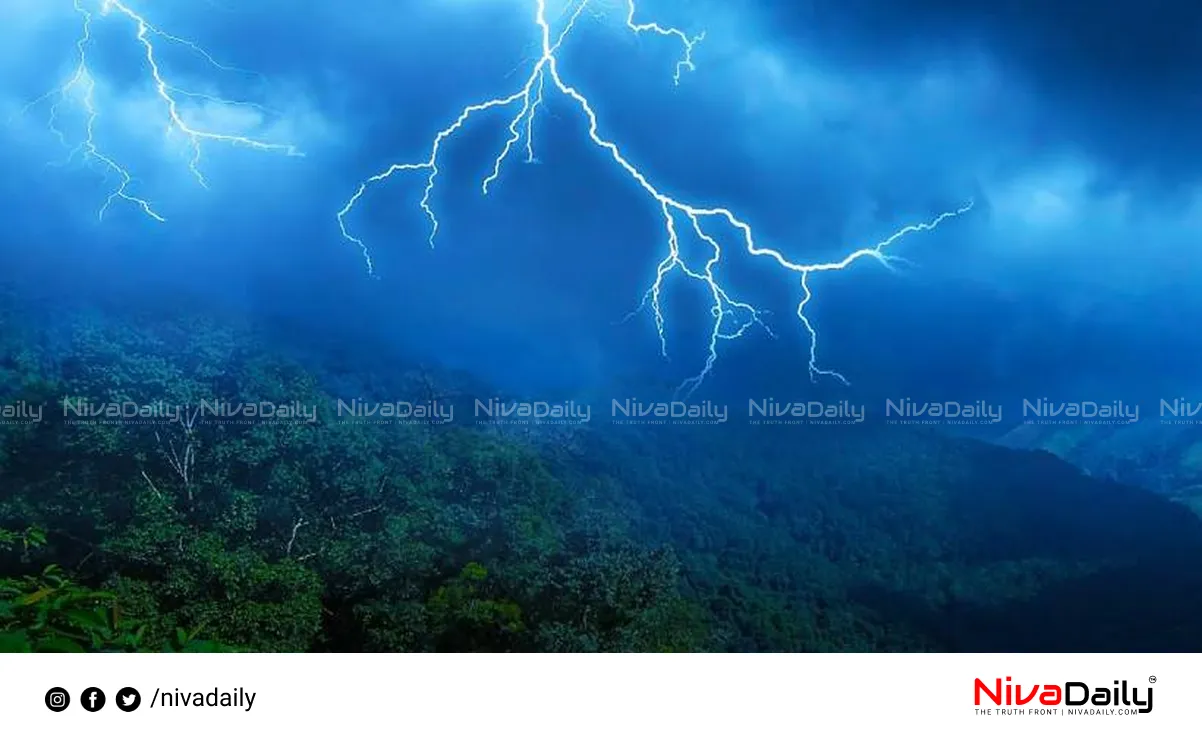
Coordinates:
1069 698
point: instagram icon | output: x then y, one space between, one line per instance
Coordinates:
57 699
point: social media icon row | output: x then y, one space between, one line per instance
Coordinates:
93 699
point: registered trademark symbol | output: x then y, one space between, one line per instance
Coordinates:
1151 679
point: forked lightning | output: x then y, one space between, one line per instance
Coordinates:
731 317
80 88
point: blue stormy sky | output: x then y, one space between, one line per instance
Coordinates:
827 124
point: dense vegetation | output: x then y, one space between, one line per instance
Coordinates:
210 533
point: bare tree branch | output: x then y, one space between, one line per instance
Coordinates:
153 489
183 459
292 540
366 511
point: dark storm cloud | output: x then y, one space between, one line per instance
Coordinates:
1122 78
827 125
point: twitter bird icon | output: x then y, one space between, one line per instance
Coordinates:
128 699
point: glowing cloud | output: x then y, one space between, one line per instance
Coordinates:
80 89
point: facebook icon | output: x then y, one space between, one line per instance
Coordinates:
92 699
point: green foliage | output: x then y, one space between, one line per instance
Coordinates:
30 538
324 533
48 612
464 618
295 535
51 613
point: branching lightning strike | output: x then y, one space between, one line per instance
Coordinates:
731 318
81 87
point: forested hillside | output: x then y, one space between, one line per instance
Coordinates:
1162 456
315 532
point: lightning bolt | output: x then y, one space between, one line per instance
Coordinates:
80 87
731 318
